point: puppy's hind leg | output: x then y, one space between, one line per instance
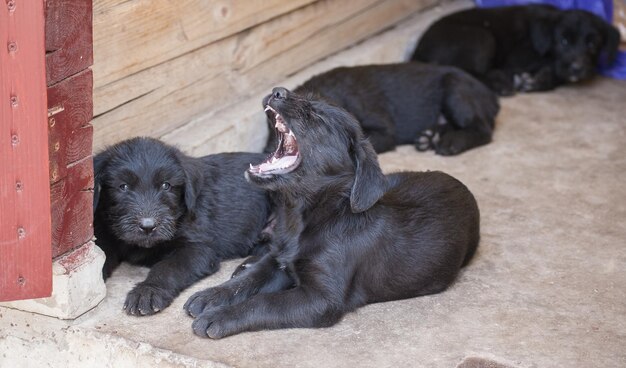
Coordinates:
470 110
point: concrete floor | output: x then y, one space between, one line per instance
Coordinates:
547 287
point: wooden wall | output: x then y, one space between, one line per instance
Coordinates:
70 109
159 64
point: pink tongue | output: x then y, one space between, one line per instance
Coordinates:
282 163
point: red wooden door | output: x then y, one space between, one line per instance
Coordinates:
25 227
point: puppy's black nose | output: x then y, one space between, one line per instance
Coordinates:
280 93
147 224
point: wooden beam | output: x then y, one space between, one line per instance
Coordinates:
68 38
72 208
25 253
130 36
70 110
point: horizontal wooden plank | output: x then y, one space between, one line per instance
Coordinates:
68 38
130 36
72 208
158 100
25 260
70 135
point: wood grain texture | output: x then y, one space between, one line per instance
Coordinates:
70 110
130 36
72 209
25 254
70 132
68 38
160 99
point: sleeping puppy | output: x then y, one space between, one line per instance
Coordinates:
521 48
345 235
434 107
155 206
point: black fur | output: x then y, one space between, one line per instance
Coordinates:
345 234
155 206
433 107
521 48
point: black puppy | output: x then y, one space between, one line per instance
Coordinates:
155 206
433 107
345 234
521 48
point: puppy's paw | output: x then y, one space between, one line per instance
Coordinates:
215 324
207 299
426 140
145 300
524 82
501 83
450 144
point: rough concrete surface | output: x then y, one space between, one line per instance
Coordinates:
547 287
77 285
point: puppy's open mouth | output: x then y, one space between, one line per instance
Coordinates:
286 158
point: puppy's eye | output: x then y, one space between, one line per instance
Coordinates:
166 186
123 187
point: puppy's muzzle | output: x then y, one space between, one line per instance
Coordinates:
147 224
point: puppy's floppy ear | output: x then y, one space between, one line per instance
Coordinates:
100 163
369 182
611 42
193 181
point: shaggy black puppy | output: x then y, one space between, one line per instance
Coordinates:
433 107
345 234
155 206
521 48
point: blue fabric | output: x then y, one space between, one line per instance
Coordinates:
602 8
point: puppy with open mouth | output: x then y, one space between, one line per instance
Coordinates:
345 235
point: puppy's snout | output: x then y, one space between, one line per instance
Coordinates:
576 67
147 224
279 93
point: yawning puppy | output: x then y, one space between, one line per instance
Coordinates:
345 234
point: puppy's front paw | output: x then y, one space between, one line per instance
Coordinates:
215 324
524 82
207 299
426 140
146 299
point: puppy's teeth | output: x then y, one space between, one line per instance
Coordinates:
267 108
251 167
